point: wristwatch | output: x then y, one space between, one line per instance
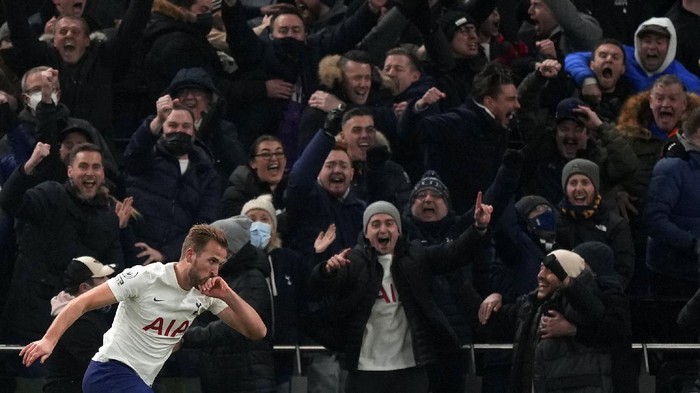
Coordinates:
341 107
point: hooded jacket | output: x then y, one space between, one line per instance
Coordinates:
216 136
577 64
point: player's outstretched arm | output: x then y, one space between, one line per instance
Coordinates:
239 314
97 297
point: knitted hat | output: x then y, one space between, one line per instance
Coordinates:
237 231
581 166
380 207
430 180
566 262
599 256
565 110
82 269
262 202
528 203
450 21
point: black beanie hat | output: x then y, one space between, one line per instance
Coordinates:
432 181
450 21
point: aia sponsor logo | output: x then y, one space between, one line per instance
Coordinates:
159 323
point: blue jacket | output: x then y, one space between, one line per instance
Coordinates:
311 209
673 215
169 201
577 65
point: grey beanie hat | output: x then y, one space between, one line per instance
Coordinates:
237 231
580 166
380 207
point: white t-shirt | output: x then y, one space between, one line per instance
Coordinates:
386 342
153 314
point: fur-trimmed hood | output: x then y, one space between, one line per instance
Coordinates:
330 77
635 115
169 9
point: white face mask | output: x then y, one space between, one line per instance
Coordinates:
35 98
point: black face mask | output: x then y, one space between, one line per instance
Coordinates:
289 46
204 22
176 143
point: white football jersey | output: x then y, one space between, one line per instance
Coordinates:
153 314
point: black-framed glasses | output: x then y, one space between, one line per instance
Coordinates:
266 155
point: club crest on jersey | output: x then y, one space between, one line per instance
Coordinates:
196 312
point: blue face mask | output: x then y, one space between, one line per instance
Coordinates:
544 225
260 234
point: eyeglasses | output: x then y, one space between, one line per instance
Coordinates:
424 194
267 156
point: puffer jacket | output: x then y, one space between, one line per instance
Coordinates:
170 201
673 216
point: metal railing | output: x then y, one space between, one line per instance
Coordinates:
645 348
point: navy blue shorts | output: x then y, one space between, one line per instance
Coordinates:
113 377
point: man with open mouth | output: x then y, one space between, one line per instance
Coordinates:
61 222
386 321
86 67
652 56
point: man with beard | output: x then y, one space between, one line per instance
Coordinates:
157 303
172 181
59 222
653 55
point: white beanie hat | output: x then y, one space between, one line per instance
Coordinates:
263 202
571 263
